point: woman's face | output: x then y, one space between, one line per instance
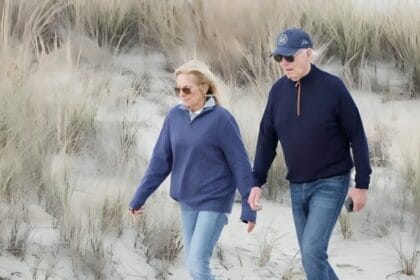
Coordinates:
190 91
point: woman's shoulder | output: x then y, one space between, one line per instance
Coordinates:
222 112
176 109
224 117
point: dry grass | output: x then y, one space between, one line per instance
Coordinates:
79 129
128 142
159 235
379 144
345 225
18 238
110 23
208 31
411 184
409 188
277 185
49 96
113 211
95 256
291 272
401 40
408 261
266 246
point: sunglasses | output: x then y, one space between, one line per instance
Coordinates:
288 58
185 90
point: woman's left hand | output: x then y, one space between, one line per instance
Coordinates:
136 211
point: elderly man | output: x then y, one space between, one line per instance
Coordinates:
314 117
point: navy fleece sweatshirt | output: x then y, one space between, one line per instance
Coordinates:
207 161
316 138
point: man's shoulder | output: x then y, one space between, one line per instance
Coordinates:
283 81
333 83
330 77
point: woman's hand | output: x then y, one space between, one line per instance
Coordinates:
136 211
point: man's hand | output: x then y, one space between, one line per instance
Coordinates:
254 198
359 197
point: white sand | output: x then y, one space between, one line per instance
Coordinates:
364 256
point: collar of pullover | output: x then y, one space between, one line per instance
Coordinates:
298 86
208 105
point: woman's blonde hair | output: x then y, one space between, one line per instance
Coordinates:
203 74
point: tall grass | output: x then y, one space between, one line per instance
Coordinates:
128 138
345 225
416 191
401 40
110 23
79 128
18 238
113 211
209 31
408 258
159 234
411 185
277 185
379 144
266 246
51 112
409 172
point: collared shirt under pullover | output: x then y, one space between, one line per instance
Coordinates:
316 122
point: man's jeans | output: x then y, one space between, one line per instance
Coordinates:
316 206
201 230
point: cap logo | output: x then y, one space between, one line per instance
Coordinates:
304 42
282 39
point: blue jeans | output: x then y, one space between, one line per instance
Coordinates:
316 206
201 230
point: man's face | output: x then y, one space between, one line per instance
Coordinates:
299 67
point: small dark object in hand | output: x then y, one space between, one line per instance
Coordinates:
349 204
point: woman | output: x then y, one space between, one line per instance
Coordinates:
200 145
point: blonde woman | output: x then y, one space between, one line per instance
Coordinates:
200 145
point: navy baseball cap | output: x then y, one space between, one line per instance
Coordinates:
291 40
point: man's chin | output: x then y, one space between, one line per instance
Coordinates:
292 77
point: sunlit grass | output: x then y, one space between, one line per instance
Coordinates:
49 98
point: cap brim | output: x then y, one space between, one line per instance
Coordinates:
284 51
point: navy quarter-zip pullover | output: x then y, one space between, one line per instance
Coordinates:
206 158
316 129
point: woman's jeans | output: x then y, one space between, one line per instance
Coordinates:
316 206
201 230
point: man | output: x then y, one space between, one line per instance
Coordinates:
316 121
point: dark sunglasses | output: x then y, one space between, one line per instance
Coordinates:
279 58
185 90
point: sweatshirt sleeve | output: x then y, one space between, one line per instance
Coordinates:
158 169
351 123
266 146
239 163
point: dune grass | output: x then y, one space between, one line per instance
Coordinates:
56 115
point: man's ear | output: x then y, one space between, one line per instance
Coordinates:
309 53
